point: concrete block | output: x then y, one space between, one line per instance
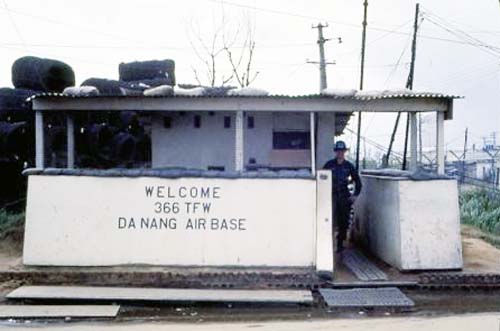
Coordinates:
412 225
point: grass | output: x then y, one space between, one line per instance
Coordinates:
480 208
11 228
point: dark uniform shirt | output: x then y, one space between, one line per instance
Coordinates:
341 173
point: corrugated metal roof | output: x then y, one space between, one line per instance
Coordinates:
395 95
359 96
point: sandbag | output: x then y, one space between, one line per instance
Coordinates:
13 140
143 149
39 74
81 91
105 86
13 185
140 70
56 138
126 121
95 139
216 91
144 84
124 145
162 90
13 105
129 119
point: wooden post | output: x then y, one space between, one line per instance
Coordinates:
39 140
312 131
239 141
70 128
440 142
413 141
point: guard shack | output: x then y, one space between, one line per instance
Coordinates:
235 182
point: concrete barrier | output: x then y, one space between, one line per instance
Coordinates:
411 225
104 221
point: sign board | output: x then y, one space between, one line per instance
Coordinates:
102 221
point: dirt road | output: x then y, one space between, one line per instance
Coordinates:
482 322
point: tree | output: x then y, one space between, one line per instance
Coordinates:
242 64
226 55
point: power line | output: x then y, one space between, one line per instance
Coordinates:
353 25
279 12
375 144
143 47
492 50
459 33
393 71
14 25
73 26
283 13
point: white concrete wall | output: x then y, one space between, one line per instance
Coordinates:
430 225
213 145
325 259
412 225
78 221
183 145
377 218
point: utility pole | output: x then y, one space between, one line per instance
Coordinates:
361 78
409 83
420 147
322 62
323 83
465 142
464 156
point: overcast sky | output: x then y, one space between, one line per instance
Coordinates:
94 36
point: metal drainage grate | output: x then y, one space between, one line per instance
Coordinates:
366 297
361 266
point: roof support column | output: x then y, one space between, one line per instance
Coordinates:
440 142
413 141
70 141
39 140
312 131
239 141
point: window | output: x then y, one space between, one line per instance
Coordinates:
250 122
227 122
167 122
292 140
197 121
216 168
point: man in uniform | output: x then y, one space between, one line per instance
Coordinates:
343 172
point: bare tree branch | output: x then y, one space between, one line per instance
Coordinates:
196 76
239 57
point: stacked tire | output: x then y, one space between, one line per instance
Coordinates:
30 75
127 143
103 140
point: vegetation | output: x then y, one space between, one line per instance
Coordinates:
11 226
481 209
